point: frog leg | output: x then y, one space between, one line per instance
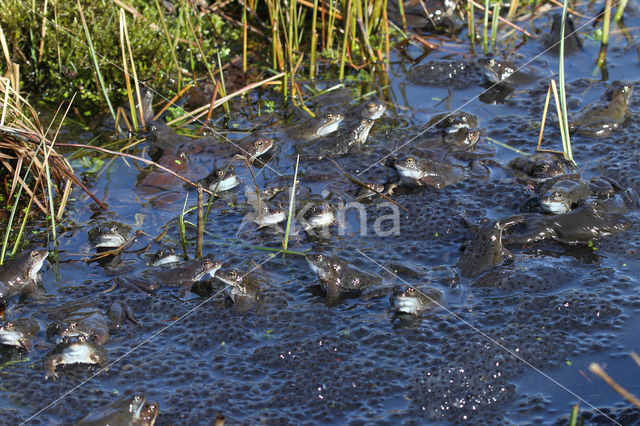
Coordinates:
50 368
118 311
26 343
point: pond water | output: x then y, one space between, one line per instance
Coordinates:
515 350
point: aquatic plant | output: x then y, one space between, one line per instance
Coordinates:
562 116
29 157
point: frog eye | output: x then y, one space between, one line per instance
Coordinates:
557 195
411 161
220 173
207 263
114 229
232 275
34 254
371 106
541 168
258 143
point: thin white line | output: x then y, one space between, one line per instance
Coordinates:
491 339
131 75
190 311
481 93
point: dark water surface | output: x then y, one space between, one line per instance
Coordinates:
294 359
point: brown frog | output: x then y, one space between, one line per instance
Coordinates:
77 350
18 333
20 275
590 221
127 411
537 167
338 277
485 250
83 319
607 114
242 289
417 169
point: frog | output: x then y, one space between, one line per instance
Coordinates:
75 350
601 118
339 278
350 140
372 110
538 167
266 194
486 249
82 319
165 256
189 159
109 235
19 332
183 275
20 275
220 180
163 140
315 213
588 222
603 187
451 122
242 290
505 73
317 127
370 190
267 215
413 301
572 42
458 142
249 148
429 15
416 169
560 196
126 411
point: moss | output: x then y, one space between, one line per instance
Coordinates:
65 66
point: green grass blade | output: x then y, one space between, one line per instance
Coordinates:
485 39
573 420
181 227
94 57
566 140
618 16
14 208
291 205
494 24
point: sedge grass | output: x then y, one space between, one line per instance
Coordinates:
125 67
285 242
485 22
619 10
563 116
172 50
606 21
94 58
573 419
471 24
314 40
182 228
599 371
494 24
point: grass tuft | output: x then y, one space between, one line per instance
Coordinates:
563 116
